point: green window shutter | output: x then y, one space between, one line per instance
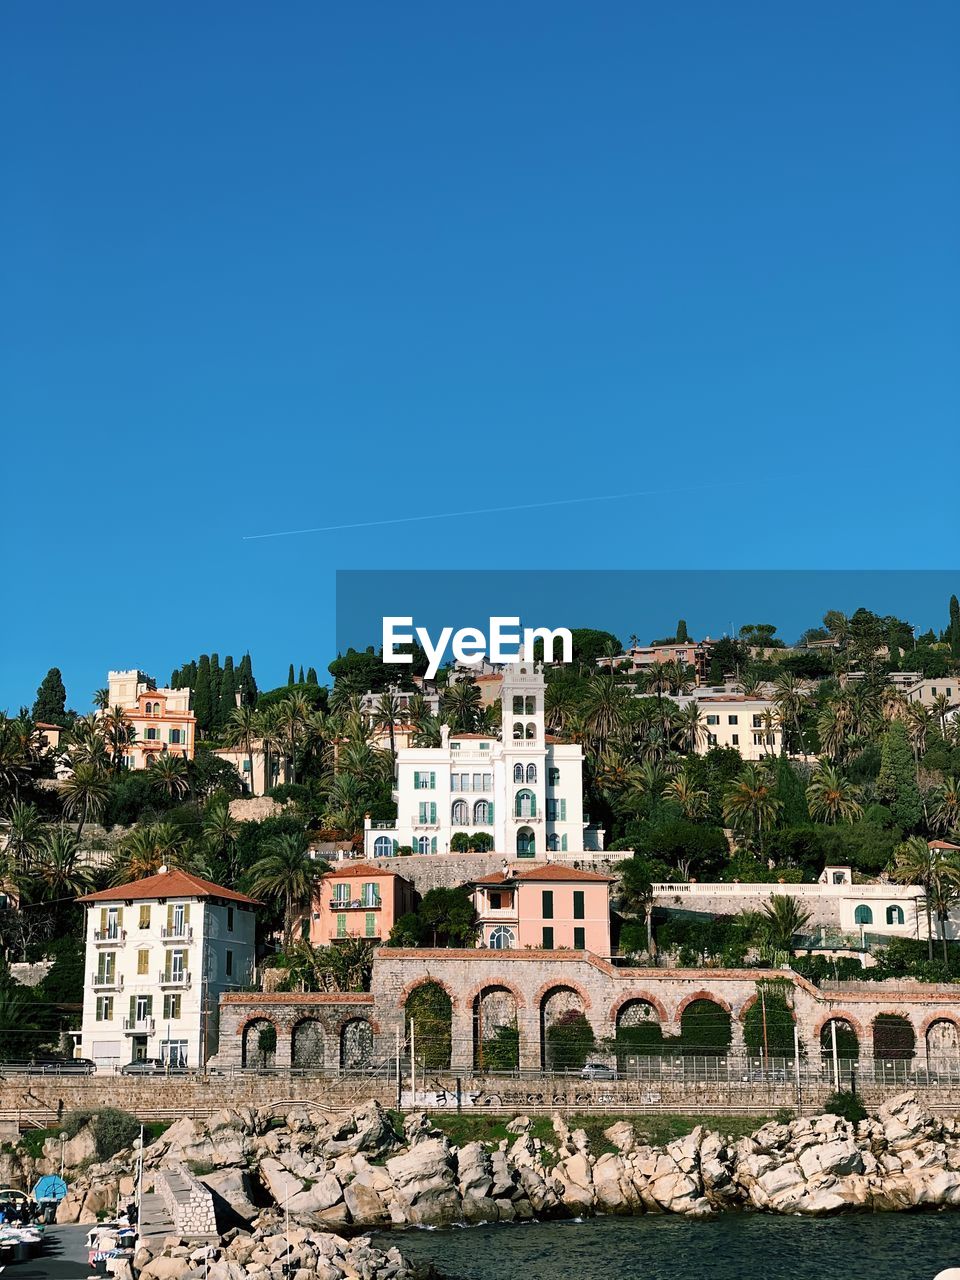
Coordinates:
433 781
133 1009
416 779
166 1006
548 937
149 1006
578 904
168 965
433 845
579 939
396 846
371 924
341 926
433 811
490 811
547 911
563 844
103 919
563 810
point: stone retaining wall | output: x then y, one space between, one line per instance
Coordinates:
188 1202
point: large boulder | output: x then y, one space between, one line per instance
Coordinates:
233 1187
424 1183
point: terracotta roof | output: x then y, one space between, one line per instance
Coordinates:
171 883
40 724
358 869
484 737
551 872
941 844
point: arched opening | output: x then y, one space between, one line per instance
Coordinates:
259 1044
638 1033
518 704
530 706
531 773
848 1045
894 1039
894 915
356 1045
496 1039
863 914
421 844
518 773
502 938
481 813
553 843
531 732
943 1048
566 1037
518 731
705 1029
525 804
382 847
306 1044
459 813
526 843
429 1008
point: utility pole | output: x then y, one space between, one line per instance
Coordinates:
833 1050
399 1081
796 1067
413 1067
763 1014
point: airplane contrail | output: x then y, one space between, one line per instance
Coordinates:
479 511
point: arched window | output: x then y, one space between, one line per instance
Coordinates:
863 915
383 847
481 813
518 773
894 915
531 773
531 706
526 843
502 938
553 843
518 705
531 731
460 812
421 844
525 804
518 731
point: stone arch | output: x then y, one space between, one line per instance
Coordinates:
252 1055
646 997
894 1038
560 1003
429 1009
706 1026
714 998
941 1040
496 1037
356 1044
638 1029
426 980
848 1032
307 1044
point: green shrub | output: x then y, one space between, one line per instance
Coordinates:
501 1051
846 1104
112 1129
570 1041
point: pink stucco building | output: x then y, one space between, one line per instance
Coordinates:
545 907
359 900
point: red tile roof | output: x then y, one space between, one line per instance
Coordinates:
337 872
170 883
551 872
941 844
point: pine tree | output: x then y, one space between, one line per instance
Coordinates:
290 675
202 695
51 704
896 781
228 693
312 675
682 635
246 683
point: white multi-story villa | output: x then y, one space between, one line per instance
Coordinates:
731 719
524 789
159 953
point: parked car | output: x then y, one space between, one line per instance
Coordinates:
150 1067
598 1071
50 1067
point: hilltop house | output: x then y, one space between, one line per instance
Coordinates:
161 719
547 907
359 900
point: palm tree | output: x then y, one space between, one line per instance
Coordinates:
656 680
59 869
220 834
168 774
940 707
287 871
693 731
945 892
118 735
292 715
689 799
945 817
913 864
24 834
782 918
85 792
678 675
790 697
831 797
15 764
241 728
558 705
387 714
604 709
644 786
917 721
101 699
87 743
460 705
146 849
750 802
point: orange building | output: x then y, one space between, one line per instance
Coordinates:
544 907
161 719
359 900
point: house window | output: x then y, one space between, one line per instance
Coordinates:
758 722
370 924
424 781
175 736
143 962
341 926
531 732
370 895
459 812
454 782
174 1052
495 900
422 845
104 1008
428 811
518 773
171 1007
502 938
546 904
229 919
531 773
530 707
711 739
518 705
556 810
151 733
732 720
553 842
894 915
382 847
578 904
144 920
579 939
341 895
228 964
863 915
525 805
553 776
483 813
517 731
735 739
547 942
713 719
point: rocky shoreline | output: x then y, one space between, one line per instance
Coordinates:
332 1176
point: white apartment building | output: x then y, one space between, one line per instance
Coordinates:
159 952
728 719
523 788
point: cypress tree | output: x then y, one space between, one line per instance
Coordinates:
290 675
246 683
215 675
896 781
300 679
228 692
51 704
202 695
954 633
682 635
312 676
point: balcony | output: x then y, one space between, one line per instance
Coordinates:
106 981
139 1026
177 933
357 904
357 933
109 937
178 978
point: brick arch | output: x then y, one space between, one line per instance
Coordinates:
704 995
931 1018
261 1017
494 983
565 984
633 996
356 1016
423 981
840 1016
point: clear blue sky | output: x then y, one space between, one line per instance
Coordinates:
274 267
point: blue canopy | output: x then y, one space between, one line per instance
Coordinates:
50 1188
